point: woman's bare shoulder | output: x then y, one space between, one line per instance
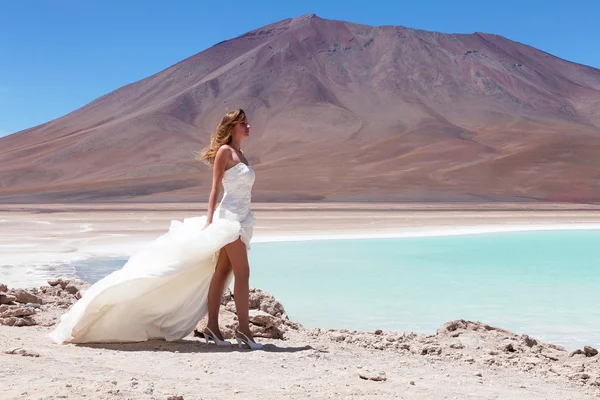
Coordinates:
225 151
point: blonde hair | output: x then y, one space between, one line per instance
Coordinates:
222 135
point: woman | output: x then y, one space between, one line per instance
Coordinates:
169 285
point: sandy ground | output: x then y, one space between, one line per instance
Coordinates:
463 360
300 367
304 365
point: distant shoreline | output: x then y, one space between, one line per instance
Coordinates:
431 232
35 238
200 205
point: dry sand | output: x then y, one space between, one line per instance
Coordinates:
308 363
462 361
298 368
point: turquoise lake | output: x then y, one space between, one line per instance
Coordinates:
543 283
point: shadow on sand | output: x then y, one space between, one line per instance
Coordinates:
189 346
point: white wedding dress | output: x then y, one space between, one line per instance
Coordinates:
161 292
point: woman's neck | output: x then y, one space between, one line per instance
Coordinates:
237 146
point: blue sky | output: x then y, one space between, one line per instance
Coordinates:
58 55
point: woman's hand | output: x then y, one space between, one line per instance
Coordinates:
206 225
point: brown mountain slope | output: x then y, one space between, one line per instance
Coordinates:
339 111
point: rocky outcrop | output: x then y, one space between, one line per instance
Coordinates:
20 307
7 298
587 351
267 316
481 345
17 315
23 296
58 287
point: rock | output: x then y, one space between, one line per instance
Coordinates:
175 398
431 350
51 290
556 347
471 339
537 348
17 321
263 301
489 360
76 286
531 360
379 346
378 332
290 324
3 288
58 283
336 336
576 352
589 351
529 342
71 286
368 375
22 352
579 377
550 357
227 297
261 318
71 289
267 316
227 324
230 307
6 298
269 333
15 311
23 296
461 324
509 348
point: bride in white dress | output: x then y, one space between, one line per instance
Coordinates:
166 288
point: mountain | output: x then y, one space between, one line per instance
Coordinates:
339 112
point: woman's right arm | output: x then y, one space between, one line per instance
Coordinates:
219 166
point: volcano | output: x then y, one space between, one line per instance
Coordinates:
339 112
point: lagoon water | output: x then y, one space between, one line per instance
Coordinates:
543 283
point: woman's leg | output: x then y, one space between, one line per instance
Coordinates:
238 256
215 292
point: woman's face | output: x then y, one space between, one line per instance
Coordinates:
241 130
